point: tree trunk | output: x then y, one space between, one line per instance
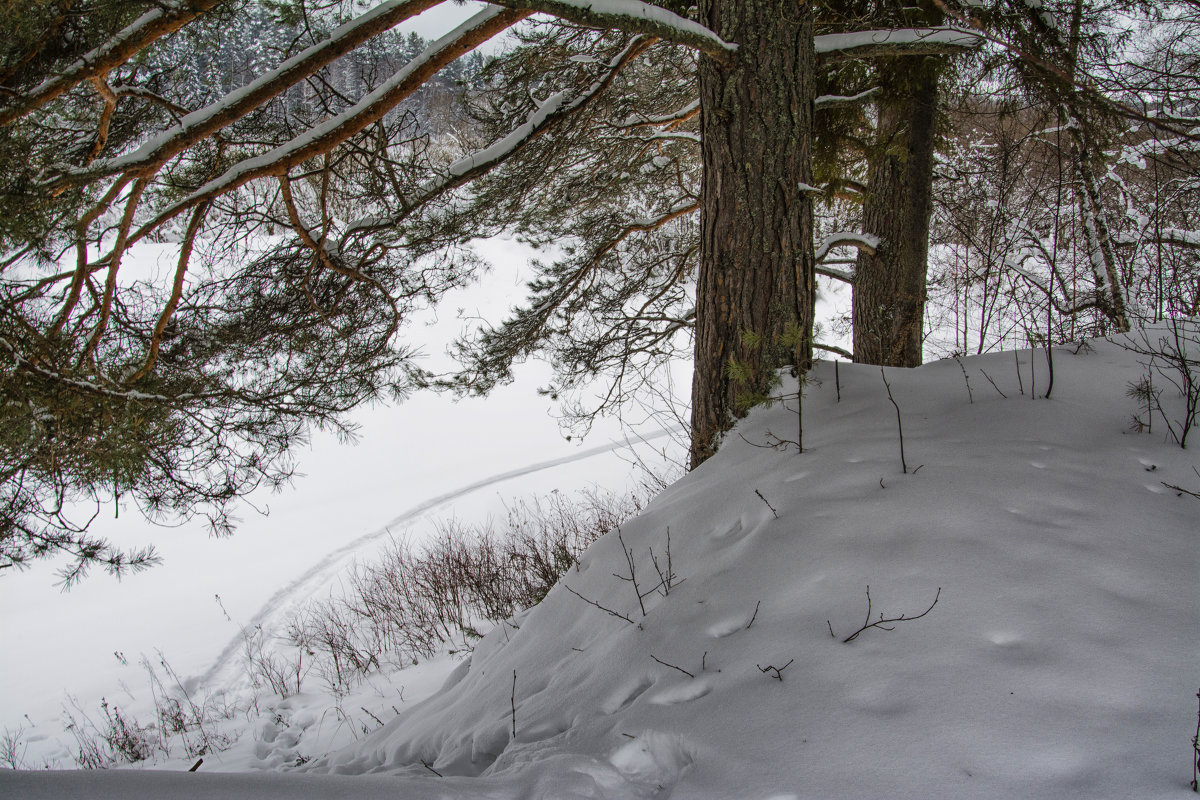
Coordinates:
755 292
889 285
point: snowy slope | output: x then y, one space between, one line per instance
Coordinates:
1060 660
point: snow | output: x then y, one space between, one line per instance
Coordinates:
837 100
951 37
863 241
635 9
1059 660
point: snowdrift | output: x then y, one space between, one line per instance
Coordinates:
1057 657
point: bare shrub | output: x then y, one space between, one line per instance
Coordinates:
282 675
117 738
184 717
13 748
1171 356
414 599
333 630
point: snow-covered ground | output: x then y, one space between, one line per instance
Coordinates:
1058 661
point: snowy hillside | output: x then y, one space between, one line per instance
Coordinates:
1058 657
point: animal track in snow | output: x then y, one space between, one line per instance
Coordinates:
625 698
726 627
683 693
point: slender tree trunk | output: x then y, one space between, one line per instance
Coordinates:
889 285
755 293
1093 215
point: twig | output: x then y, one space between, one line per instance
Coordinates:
778 444
837 380
773 511
196 766
1020 380
777 670
513 701
666 580
881 623
605 609
970 395
753 616
899 425
372 716
632 572
832 635
1180 489
672 666
993 383
1196 753
425 764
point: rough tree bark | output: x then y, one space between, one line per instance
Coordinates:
889 284
755 295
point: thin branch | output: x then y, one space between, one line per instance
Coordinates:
881 623
185 254
605 609
753 616
672 666
777 670
899 424
760 497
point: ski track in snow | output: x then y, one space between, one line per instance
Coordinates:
338 559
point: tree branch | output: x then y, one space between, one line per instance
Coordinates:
632 16
141 33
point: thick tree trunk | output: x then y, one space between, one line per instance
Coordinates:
755 295
889 285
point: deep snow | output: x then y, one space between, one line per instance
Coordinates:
1060 660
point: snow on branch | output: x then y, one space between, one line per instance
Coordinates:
829 101
865 242
554 108
143 31
204 122
833 272
1173 237
832 348
631 16
898 42
370 109
685 113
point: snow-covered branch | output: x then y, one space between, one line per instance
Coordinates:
832 348
631 16
204 122
830 101
1174 237
832 47
833 272
685 113
153 25
556 107
865 242
324 137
